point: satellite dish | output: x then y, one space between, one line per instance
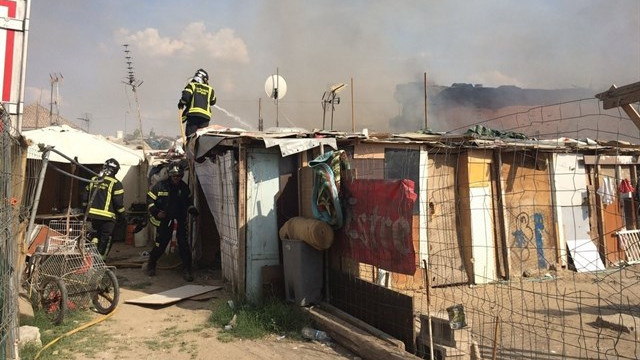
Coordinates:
275 87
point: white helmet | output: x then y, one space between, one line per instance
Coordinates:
201 76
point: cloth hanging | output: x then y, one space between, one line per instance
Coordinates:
326 195
625 186
625 189
606 191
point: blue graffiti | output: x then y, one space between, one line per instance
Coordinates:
521 239
539 228
524 236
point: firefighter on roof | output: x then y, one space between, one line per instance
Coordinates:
196 102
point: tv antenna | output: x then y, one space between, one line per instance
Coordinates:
276 88
54 79
330 96
87 119
134 83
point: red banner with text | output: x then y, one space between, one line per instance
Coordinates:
378 225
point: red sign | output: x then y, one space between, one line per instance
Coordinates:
378 224
7 10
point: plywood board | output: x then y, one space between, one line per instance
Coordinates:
205 296
585 255
173 295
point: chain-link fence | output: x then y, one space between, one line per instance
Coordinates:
500 246
17 187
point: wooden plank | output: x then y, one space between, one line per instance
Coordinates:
363 325
611 160
632 113
618 96
363 343
173 295
206 296
387 310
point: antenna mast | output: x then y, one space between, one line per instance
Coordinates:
330 97
54 78
87 119
134 83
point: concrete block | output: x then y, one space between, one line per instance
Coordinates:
29 334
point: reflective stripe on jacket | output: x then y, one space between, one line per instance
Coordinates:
108 199
174 200
198 98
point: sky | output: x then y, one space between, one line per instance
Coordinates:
371 46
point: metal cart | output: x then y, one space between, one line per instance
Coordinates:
67 273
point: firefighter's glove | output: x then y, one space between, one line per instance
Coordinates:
180 105
193 211
161 214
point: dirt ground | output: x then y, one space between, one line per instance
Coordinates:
179 331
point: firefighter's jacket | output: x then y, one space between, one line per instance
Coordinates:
174 200
108 200
197 99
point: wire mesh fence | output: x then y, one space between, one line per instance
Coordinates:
519 235
14 187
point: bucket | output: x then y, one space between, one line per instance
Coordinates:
128 239
140 238
456 316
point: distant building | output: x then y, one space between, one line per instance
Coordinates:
36 116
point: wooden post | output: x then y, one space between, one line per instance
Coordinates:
353 119
426 123
495 338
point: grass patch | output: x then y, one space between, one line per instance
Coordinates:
85 343
254 322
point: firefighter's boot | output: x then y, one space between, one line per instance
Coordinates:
151 265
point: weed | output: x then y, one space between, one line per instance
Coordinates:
253 322
88 344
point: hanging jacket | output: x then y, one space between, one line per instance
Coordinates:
197 100
108 201
174 200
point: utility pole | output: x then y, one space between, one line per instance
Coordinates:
54 79
134 83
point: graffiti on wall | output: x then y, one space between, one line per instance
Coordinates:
379 223
529 236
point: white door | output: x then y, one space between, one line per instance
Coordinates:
483 242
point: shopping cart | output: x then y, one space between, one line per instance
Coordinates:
67 273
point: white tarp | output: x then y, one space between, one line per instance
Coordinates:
88 148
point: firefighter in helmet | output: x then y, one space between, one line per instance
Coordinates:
103 199
169 201
196 101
